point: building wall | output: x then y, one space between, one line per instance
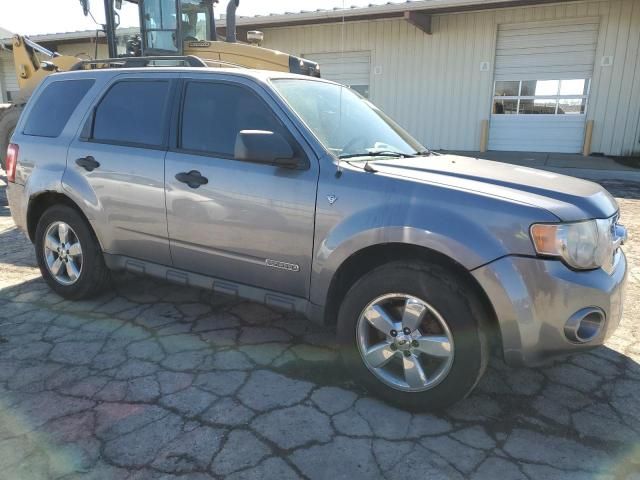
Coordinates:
83 49
8 78
433 84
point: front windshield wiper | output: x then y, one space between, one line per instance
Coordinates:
385 153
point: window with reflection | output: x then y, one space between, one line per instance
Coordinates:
541 97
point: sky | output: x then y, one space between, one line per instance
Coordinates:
30 17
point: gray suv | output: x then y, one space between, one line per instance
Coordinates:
301 194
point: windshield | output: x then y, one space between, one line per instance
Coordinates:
347 124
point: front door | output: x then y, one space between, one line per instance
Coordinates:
121 157
249 223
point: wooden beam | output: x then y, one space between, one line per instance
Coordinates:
421 21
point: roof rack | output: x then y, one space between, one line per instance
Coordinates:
134 62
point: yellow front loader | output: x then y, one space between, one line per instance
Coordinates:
168 28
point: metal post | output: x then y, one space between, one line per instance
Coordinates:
110 27
588 138
484 135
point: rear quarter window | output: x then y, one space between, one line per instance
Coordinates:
54 106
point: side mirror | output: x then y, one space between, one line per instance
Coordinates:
261 146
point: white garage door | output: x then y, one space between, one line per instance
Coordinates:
542 82
8 79
349 68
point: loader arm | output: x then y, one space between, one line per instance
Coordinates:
29 68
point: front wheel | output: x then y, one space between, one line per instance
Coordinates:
410 334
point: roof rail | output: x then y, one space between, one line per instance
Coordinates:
134 62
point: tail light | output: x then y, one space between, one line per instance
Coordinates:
12 162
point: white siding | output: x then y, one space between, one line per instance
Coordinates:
433 84
8 78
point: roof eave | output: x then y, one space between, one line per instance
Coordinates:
394 10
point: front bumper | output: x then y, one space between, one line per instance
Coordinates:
534 298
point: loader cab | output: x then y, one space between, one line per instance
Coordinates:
167 24
162 25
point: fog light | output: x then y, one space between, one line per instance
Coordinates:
584 325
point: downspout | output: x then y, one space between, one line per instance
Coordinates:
231 21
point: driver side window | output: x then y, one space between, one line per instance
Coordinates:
214 113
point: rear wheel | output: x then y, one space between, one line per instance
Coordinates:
68 254
8 121
410 334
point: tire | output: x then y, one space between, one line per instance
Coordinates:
450 311
92 273
8 121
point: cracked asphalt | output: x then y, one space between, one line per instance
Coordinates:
157 381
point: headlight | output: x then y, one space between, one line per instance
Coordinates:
583 245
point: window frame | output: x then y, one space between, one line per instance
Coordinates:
557 97
88 131
176 136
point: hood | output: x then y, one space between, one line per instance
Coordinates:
568 198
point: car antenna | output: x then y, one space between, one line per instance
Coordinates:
339 170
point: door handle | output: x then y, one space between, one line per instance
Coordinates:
88 163
193 178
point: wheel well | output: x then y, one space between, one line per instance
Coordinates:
375 256
39 204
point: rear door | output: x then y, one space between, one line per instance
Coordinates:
250 223
118 166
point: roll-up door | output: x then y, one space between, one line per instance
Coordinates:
542 83
349 68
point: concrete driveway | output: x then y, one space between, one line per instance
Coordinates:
158 381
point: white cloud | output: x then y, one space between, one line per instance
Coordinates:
53 16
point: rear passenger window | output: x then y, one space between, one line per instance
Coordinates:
54 107
214 114
133 112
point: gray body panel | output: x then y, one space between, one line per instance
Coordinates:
223 235
247 214
137 229
533 299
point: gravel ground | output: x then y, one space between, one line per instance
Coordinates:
157 381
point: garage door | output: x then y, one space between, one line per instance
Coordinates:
542 83
8 79
349 68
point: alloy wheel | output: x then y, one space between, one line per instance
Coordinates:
405 342
63 253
